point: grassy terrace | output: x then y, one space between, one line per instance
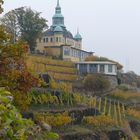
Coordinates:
63 77
61 69
112 113
57 69
126 97
49 61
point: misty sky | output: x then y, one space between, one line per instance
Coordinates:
110 28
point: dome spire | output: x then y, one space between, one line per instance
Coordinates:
58 3
77 30
58 8
78 36
58 19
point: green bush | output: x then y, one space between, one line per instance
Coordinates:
96 83
123 87
12 125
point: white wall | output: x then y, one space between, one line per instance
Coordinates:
106 66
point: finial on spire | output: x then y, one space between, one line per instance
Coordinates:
77 30
57 3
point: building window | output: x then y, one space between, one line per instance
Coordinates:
44 40
82 55
102 68
66 51
93 68
60 39
76 53
63 40
110 68
72 51
51 39
56 39
83 68
79 54
47 39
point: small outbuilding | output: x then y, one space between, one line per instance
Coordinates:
104 67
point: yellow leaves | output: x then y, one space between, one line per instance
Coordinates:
3 35
133 113
43 98
123 110
62 76
49 61
59 69
99 121
64 87
55 120
53 84
105 106
92 101
78 98
21 100
134 137
41 83
125 95
109 109
99 104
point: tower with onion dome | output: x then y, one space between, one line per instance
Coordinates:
59 42
58 18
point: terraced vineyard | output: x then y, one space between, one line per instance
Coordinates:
57 69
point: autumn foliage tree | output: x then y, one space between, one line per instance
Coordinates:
14 74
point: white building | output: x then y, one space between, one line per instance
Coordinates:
104 67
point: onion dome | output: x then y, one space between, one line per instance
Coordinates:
78 36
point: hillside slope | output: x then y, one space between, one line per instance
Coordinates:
57 69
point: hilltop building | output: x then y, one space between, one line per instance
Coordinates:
57 41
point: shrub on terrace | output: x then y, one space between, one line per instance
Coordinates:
96 83
12 125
